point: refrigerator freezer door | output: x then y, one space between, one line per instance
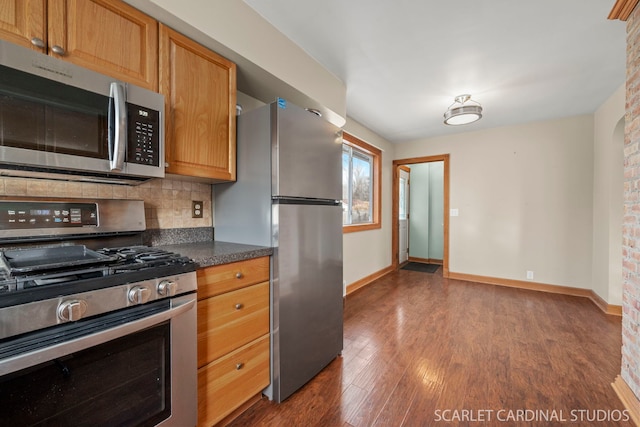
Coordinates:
307 294
307 153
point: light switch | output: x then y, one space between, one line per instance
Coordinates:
453 212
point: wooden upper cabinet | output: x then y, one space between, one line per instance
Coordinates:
23 22
199 87
108 36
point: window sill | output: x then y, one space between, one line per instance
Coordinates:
360 227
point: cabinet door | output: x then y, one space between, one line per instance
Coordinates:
227 383
108 36
22 21
200 95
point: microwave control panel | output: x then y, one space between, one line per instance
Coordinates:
30 215
144 135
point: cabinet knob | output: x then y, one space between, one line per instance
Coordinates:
37 42
239 275
239 366
239 306
58 50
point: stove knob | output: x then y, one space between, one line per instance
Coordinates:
71 310
139 294
167 288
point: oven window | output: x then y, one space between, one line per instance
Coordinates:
44 115
124 382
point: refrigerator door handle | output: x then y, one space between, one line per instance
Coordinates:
284 200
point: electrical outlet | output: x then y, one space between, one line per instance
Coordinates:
196 208
529 275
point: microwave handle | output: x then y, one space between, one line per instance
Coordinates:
117 126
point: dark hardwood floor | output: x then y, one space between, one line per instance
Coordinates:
420 350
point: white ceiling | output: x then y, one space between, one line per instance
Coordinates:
404 61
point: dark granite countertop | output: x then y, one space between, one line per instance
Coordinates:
215 253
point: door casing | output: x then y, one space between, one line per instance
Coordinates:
395 253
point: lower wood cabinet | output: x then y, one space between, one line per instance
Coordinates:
231 380
233 337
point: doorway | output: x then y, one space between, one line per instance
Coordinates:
397 239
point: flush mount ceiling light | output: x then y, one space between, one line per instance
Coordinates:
463 111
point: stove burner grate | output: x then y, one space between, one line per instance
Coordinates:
113 261
133 258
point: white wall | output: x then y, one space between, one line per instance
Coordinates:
608 167
367 252
524 195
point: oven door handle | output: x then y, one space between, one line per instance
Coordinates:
180 306
117 126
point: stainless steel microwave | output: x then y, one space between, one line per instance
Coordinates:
61 121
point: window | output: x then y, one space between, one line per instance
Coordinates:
361 185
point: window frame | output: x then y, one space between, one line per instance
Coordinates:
376 210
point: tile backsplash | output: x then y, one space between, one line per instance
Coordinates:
167 201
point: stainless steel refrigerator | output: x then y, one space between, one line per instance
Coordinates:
287 195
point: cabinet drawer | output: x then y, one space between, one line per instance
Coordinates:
230 381
231 320
219 279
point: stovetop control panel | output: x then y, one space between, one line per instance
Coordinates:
45 214
33 219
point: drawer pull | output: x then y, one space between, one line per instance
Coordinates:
239 306
239 366
239 275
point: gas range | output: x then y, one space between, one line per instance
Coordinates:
92 320
43 284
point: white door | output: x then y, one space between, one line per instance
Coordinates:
403 215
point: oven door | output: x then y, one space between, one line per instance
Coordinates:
131 368
50 117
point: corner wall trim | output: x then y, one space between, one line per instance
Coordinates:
615 310
622 9
628 399
351 288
